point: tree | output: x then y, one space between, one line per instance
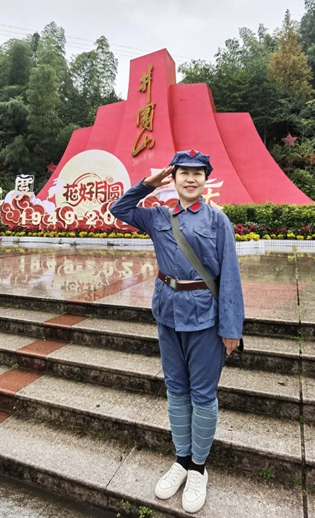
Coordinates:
51 49
43 122
16 156
239 80
93 74
307 35
288 65
20 63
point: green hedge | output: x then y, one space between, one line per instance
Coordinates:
271 215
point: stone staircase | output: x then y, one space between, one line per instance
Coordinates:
83 412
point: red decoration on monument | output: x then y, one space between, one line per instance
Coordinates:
289 140
51 167
123 146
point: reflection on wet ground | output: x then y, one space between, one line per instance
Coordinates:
276 285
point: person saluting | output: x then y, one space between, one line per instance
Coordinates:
195 330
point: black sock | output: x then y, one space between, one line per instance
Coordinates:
197 467
184 461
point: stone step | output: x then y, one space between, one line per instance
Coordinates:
19 499
257 391
121 478
263 353
246 441
127 313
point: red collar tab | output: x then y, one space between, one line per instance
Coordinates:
177 209
192 152
196 206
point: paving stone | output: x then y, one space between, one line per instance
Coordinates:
21 500
92 399
41 348
229 494
308 387
92 461
136 296
9 342
15 379
106 358
3 369
279 437
272 345
308 349
311 505
118 327
263 383
309 432
270 300
27 315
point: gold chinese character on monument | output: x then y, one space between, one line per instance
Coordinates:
210 185
146 83
145 116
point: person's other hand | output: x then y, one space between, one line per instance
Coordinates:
230 344
160 178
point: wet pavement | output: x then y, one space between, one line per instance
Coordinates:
277 286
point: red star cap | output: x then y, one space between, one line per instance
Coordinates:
192 152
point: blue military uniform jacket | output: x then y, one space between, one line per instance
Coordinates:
209 232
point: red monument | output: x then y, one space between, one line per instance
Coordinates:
131 139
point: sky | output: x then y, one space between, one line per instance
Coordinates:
189 29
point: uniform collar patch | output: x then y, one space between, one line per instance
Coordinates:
193 208
178 208
196 206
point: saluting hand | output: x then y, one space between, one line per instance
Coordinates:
230 344
160 178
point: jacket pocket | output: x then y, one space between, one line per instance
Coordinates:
162 234
205 243
205 306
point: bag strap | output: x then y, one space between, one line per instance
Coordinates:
191 255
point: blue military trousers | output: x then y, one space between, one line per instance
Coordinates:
192 361
192 364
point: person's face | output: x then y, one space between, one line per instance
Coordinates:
189 183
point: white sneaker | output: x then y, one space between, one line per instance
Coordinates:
170 483
195 492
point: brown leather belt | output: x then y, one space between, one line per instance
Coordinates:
180 285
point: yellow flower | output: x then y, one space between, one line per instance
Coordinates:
300 238
309 238
291 235
266 236
280 236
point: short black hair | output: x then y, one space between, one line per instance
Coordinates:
177 166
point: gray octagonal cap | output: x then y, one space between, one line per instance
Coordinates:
192 158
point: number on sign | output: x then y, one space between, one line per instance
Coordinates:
108 218
23 218
52 219
91 217
69 218
36 218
